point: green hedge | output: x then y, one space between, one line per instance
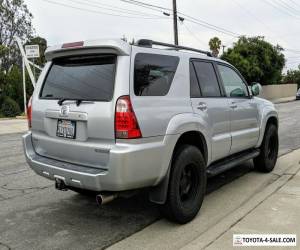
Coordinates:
10 107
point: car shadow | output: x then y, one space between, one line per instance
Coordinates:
77 222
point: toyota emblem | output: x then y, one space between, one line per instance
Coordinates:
64 111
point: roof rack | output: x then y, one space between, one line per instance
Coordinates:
149 43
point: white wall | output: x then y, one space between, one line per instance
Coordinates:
273 92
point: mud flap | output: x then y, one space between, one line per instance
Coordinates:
159 193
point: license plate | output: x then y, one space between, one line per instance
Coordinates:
66 129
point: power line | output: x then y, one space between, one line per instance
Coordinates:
292 50
146 4
278 8
295 3
251 14
192 34
287 7
114 8
134 16
100 12
212 28
215 27
187 17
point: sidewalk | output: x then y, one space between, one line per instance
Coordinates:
13 126
284 100
254 203
278 214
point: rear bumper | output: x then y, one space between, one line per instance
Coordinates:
130 167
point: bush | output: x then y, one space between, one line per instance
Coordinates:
10 108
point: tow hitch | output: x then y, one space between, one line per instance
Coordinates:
60 184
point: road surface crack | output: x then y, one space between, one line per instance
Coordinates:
23 189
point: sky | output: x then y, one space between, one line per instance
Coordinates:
61 21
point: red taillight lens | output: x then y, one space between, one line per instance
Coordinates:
126 125
29 112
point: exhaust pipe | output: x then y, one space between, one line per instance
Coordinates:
102 199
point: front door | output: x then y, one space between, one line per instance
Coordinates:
208 102
244 111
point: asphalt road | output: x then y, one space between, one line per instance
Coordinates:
34 215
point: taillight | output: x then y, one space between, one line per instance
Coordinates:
29 112
126 124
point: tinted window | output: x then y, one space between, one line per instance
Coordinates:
195 90
207 79
153 74
233 83
90 78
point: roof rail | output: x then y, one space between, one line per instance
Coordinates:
149 43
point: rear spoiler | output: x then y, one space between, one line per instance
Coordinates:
112 46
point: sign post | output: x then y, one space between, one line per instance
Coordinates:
31 51
24 85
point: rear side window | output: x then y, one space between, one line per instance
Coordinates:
153 74
207 79
87 78
195 90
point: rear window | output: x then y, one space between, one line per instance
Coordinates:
88 78
153 74
207 78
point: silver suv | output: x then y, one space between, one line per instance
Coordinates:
110 118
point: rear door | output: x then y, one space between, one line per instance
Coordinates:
244 111
208 101
73 110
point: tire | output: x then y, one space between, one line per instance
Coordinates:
84 192
266 160
187 185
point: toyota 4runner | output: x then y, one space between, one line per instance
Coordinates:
111 118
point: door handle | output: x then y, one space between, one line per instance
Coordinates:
202 106
233 105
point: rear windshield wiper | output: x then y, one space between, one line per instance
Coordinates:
60 101
78 101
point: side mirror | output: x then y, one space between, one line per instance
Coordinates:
256 88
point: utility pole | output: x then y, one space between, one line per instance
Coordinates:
175 22
224 46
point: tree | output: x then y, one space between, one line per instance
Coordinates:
15 20
257 60
215 45
292 76
13 87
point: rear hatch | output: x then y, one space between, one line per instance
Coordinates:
73 109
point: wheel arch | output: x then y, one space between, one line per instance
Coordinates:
195 138
158 194
269 118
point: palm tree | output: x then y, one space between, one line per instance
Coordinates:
215 45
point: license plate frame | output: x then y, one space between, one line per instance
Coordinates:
66 129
